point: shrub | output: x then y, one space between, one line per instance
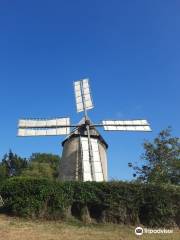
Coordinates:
114 202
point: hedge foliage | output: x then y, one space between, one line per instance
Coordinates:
115 202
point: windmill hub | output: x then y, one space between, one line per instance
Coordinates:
87 122
84 156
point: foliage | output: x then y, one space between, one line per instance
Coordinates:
161 160
114 202
42 165
11 165
38 165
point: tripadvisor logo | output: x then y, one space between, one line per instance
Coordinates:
139 231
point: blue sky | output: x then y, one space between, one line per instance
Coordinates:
130 50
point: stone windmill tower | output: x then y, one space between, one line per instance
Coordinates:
75 162
84 155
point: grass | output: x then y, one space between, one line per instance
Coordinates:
13 228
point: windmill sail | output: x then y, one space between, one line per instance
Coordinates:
126 125
95 165
83 95
24 132
46 127
41 123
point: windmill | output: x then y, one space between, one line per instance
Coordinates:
84 156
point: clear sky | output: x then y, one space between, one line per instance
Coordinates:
129 49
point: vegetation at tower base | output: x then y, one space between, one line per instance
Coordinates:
113 202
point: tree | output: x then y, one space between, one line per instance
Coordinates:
3 171
11 165
38 165
1 201
42 165
161 160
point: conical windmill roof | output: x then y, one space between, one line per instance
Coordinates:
81 131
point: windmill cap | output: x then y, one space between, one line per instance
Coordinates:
82 131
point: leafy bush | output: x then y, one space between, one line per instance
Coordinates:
115 202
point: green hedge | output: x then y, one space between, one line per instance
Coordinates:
115 202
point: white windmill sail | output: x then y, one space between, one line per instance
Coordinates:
46 127
83 95
97 164
96 161
126 125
